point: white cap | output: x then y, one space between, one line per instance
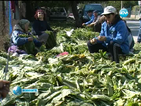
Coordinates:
108 10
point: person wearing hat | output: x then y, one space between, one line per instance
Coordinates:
113 37
90 14
21 28
96 22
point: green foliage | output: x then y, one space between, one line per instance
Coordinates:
128 4
29 47
135 8
77 79
51 41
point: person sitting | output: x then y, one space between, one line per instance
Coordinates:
113 37
40 26
96 23
17 40
90 14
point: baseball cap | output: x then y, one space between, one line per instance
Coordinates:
109 9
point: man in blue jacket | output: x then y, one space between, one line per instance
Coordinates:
113 36
90 14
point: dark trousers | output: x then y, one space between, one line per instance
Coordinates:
113 48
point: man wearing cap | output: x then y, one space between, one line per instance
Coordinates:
90 14
96 23
113 37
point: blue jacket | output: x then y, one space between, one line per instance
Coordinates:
18 41
91 20
117 33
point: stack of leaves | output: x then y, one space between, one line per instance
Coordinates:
51 41
28 47
76 79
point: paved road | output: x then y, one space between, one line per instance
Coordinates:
134 26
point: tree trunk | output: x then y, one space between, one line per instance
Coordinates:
30 10
78 21
3 18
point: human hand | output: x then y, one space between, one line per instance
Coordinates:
101 38
30 39
83 24
93 41
89 25
4 88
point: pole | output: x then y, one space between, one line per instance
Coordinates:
121 4
10 19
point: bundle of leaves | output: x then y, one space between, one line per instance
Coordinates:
51 41
28 47
78 34
77 79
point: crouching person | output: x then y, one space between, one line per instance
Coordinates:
113 36
21 41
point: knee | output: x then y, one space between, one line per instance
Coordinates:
116 45
113 44
89 44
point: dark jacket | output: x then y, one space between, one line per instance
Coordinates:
39 26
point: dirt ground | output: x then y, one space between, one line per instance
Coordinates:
3 40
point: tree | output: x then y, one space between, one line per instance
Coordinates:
31 5
128 4
78 21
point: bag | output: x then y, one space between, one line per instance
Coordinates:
131 41
139 36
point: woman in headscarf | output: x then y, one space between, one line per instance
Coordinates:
21 28
40 25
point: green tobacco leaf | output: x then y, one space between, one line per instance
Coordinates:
101 97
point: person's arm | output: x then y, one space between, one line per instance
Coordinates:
91 20
94 22
97 21
37 43
102 32
120 35
18 40
36 28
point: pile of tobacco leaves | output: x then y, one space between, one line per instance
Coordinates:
68 75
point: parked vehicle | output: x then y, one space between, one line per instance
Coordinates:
88 7
58 13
